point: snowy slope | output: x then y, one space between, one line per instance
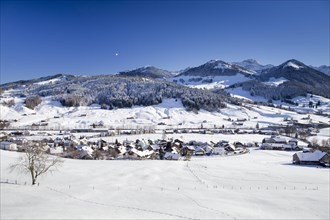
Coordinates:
209 82
259 185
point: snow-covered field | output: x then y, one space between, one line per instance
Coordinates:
259 185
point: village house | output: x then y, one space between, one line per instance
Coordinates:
86 152
55 150
273 143
279 143
187 150
219 150
311 158
6 145
230 147
173 155
137 154
199 151
3 136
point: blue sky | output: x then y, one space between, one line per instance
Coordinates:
41 38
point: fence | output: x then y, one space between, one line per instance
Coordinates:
173 188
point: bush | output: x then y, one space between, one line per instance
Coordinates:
32 101
10 103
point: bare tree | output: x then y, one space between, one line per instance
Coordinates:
36 161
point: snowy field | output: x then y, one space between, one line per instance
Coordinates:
259 185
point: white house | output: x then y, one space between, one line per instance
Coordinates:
56 150
219 150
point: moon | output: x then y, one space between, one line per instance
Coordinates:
116 54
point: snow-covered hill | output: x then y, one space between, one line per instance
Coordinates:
171 113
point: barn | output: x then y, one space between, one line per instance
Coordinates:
311 158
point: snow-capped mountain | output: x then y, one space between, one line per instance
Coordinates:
288 80
148 71
253 65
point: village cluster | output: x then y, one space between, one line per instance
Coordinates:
169 149
69 146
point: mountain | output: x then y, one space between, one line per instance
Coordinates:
216 68
215 74
148 71
288 80
253 65
324 69
294 70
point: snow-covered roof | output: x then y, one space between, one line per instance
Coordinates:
172 156
189 147
279 139
310 156
155 147
199 149
142 153
293 140
275 139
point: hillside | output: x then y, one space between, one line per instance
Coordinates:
113 91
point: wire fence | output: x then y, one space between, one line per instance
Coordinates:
205 186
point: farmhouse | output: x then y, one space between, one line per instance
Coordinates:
311 158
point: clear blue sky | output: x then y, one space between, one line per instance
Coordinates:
40 38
